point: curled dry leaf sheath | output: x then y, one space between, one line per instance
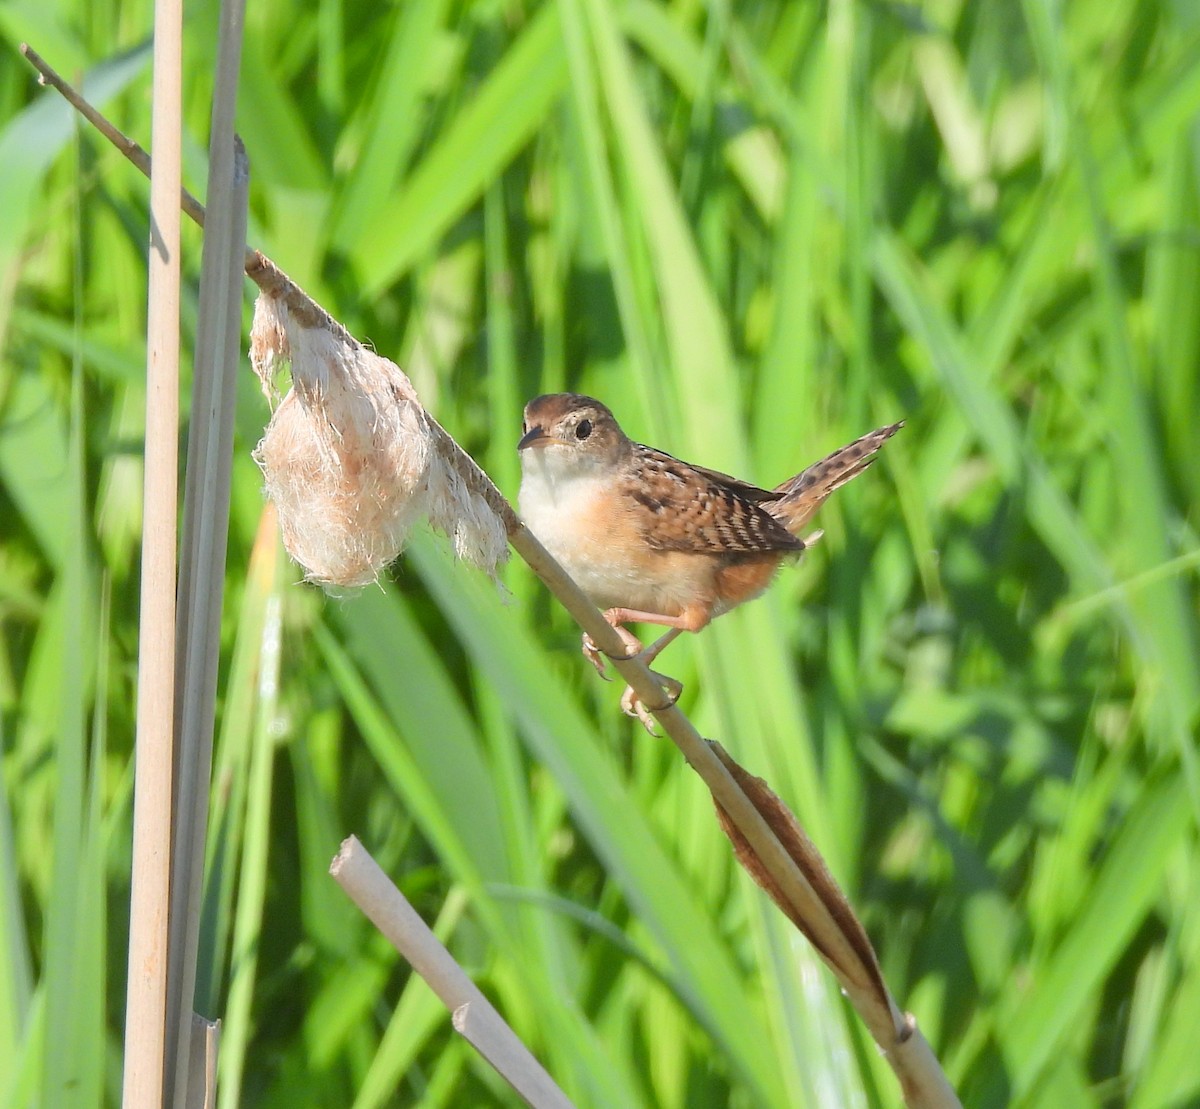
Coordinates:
862 969
352 460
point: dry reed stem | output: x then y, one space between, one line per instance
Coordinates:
146 1010
473 1016
897 1035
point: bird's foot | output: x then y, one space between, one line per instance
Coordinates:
596 656
633 705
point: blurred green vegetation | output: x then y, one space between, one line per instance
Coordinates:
756 230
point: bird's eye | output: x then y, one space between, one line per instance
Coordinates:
583 429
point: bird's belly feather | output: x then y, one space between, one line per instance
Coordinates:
599 544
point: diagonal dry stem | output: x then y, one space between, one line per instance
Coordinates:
799 883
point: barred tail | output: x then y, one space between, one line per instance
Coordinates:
802 495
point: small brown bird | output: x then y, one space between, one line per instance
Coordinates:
655 540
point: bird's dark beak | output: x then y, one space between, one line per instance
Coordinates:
534 437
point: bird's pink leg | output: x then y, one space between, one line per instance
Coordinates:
619 617
649 654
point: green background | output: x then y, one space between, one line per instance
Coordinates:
756 230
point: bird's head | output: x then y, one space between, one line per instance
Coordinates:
570 433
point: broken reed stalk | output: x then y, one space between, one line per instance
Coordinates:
202 561
474 1017
204 1042
784 863
146 1009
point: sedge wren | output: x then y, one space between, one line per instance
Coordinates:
651 539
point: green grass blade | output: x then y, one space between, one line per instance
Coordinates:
485 134
1126 886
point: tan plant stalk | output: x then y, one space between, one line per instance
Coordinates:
474 1017
146 1012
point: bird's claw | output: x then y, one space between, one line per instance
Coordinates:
596 656
633 705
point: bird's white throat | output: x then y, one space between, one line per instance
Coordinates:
554 492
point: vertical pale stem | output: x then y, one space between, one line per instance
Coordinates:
146 1000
